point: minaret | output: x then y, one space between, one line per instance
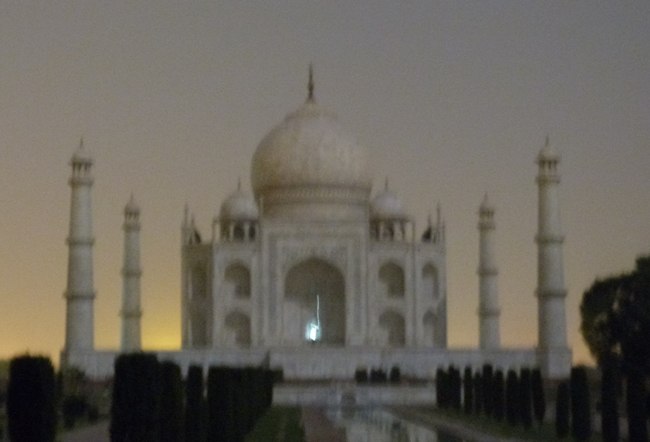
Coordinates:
80 292
131 311
488 309
554 354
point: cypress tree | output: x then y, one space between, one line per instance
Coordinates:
171 399
488 395
455 384
609 401
580 409
525 399
135 408
395 375
440 388
498 398
636 412
562 410
195 406
221 404
361 375
478 393
512 398
31 392
468 391
539 401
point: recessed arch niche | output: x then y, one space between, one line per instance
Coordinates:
239 326
392 324
238 281
391 280
430 281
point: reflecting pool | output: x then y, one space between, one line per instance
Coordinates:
378 425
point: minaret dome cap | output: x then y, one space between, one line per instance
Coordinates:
81 155
132 206
547 152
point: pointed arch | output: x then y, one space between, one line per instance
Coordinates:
314 299
391 279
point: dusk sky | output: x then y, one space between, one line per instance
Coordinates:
452 100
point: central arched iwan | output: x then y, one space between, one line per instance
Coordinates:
314 307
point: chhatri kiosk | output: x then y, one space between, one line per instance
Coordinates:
313 274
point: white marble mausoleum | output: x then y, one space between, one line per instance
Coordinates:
314 272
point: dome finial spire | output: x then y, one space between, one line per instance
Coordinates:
546 143
310 84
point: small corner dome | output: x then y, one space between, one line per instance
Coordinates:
309 149
386 205
239 206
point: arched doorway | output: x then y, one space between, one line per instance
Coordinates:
314 304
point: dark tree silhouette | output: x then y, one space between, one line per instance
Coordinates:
31 410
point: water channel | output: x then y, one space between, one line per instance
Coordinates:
379 425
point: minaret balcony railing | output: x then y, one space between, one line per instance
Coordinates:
549 238
71 294
77 241
550 293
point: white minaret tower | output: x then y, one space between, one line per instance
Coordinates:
131 272
488 309
554 354
80 292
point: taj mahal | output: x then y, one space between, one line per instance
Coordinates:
314 272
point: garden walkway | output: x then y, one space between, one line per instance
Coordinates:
93 433
318 428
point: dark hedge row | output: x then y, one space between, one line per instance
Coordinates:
377 375
151 405
513 398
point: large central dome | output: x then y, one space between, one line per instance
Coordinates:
309 166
